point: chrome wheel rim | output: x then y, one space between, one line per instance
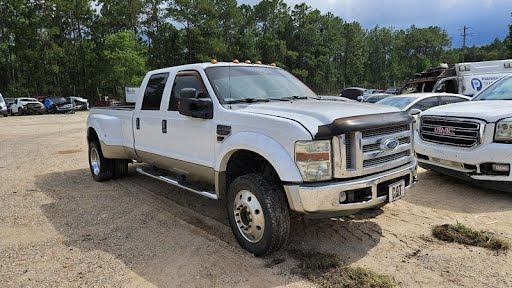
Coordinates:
249 216
95 161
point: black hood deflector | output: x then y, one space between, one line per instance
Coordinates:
361 123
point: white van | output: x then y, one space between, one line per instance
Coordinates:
471 78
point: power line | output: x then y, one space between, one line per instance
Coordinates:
465 34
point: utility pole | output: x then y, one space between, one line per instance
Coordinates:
464 35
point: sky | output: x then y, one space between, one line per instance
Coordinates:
488 19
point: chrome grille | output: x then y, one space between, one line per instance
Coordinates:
348 147
450 131
385 159
365 152
385 131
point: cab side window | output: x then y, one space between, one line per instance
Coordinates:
187 79
426 103
154 91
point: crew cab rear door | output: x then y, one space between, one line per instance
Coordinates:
148 116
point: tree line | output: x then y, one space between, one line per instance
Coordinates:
91 48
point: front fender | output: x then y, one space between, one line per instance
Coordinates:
263 145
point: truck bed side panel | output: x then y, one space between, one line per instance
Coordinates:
115 131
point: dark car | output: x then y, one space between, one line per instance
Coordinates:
353 93
58 105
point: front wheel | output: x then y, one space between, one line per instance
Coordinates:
258 214
101 167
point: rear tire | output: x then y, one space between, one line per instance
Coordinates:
120 168
21 112
101 167
258 214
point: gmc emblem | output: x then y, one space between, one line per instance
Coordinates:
444 130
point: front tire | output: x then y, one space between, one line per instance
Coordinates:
258 214
101 167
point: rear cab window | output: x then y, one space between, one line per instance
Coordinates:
154 91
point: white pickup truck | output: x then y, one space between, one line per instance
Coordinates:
259 139
471 140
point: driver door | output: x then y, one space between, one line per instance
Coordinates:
189 142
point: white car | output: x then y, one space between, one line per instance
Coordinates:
22 106
79 103
3 107
418 102
471 140
257 138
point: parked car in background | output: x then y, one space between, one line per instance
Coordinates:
392 90
26 106
353 93
58 105
471 140
373 98
8 103
422 101
78 102
3 107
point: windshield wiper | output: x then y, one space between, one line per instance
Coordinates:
295 97
247 100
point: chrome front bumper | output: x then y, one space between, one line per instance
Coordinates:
319 198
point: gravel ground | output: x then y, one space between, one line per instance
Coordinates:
60 228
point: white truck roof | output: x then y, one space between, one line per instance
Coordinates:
485 67
210 64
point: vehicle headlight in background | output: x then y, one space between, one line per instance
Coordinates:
503 131
314 160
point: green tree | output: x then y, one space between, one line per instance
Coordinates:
124 62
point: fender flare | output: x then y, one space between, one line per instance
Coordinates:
266 147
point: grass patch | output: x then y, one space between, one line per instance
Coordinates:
463 235
326 270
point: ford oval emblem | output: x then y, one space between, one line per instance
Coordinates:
389 144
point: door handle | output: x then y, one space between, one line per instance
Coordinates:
137 123
164 126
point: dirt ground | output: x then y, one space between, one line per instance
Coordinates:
60 228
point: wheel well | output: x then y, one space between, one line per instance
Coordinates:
92 136
245 162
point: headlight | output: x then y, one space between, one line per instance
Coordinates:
314 160
503 131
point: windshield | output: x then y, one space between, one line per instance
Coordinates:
238 83
399 102
501 90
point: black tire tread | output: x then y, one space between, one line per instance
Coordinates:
120 168
277 212
106 165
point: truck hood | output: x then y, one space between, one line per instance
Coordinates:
314 113
489 110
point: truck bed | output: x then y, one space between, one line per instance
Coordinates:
123 107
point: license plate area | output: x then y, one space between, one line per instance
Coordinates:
396 191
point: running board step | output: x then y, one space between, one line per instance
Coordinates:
174 182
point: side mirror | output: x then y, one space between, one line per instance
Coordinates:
190 106
414 112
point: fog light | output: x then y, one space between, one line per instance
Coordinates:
343 197
501 167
